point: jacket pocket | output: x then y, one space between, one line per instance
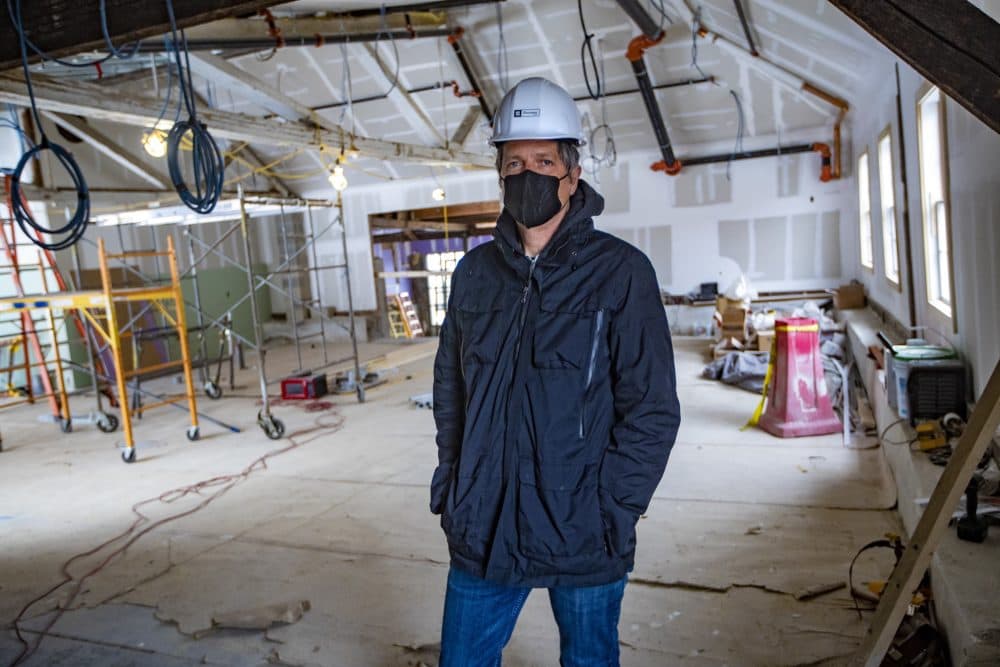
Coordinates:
562 339
482 328
559 514
461 509
619 524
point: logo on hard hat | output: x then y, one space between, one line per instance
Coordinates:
527 113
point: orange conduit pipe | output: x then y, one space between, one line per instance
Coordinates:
636 48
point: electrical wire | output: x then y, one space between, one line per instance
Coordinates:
383 29
68 234
207 165
14 10
123 54
664 17
208 490
888 428
586 48
740 130
503 62
609 155
695 27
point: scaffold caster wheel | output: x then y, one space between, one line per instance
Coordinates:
213 391
193 433
107 423
128 455
273 427
66 425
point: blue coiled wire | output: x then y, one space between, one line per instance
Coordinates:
75 227
207 164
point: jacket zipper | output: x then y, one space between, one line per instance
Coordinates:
598 321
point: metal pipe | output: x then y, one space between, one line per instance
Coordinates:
636 48
453 39
641 17
258 331
746 28
314 284
260 43
662 86
373 98
350 300
440 5
749 155
907 240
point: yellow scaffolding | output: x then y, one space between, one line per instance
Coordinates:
99 308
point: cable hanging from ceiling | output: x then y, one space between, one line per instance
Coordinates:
664 17
609 156
68 234
587 49
740 131
383 31
503 62
207 165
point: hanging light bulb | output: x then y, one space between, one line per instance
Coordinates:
438 194
352 151
337 179
155 142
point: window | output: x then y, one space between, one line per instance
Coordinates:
887 195
933 200
437 286
865 213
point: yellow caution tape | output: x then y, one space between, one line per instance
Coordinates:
798 327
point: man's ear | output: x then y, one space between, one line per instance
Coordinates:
574 178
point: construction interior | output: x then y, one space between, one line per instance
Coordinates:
226 244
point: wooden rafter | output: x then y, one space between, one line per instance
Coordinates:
950 42
66 27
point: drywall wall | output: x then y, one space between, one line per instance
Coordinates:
771 218
974 192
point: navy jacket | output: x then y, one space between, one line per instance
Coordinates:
555 403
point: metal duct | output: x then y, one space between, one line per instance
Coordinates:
636 48
822 149
662 86
638 13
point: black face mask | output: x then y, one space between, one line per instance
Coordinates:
532 198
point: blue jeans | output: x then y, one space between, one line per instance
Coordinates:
479 617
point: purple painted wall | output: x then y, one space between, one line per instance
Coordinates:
394 256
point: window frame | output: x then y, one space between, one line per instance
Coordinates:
865 154
897 284
939 308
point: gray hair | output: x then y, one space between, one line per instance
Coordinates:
568 153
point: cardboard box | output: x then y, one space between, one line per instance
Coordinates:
765 339
848 297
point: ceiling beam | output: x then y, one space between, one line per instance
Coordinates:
227 75
403 101
67 27
81 98
356 123
107 147
950 42
295 28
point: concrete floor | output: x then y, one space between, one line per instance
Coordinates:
742 526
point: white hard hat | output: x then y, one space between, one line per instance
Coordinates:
536 108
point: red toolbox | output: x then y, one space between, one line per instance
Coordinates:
302 387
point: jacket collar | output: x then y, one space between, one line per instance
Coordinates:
575 228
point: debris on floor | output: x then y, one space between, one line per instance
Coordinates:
262 618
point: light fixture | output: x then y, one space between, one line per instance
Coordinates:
352 151
337 179
155 142
438 194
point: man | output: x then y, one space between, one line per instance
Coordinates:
554 399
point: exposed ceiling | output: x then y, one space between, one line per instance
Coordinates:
809 38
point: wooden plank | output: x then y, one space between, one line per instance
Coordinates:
65 27
933 523
90 100
950 42
108 147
